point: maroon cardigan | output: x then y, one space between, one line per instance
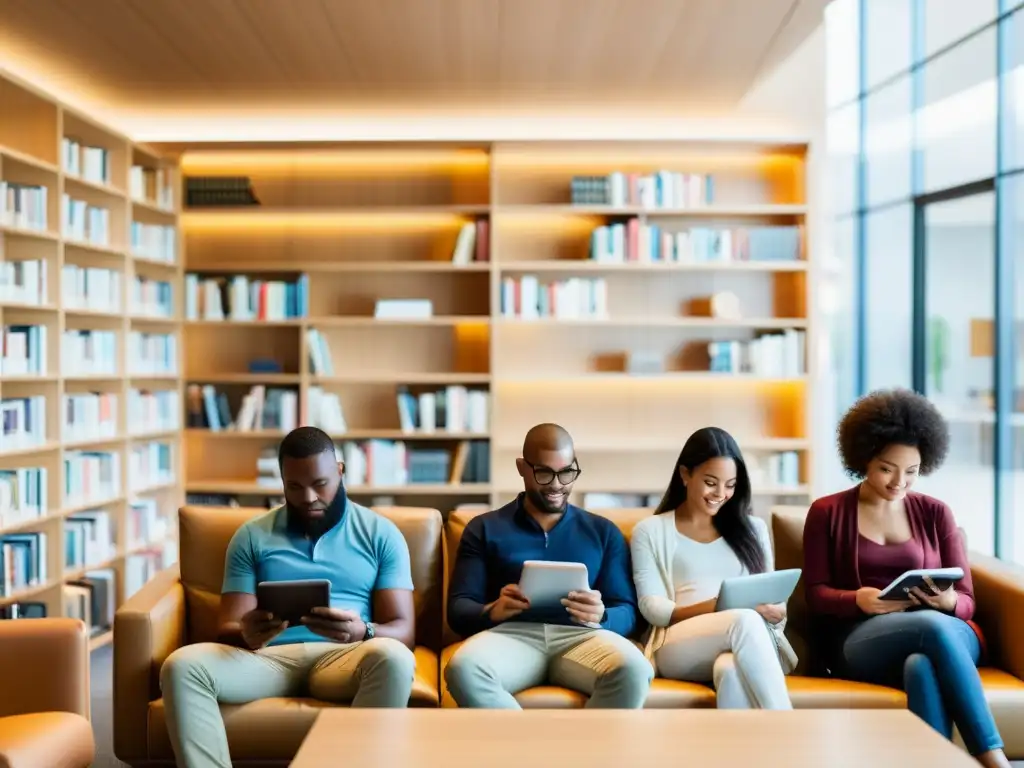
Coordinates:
831 536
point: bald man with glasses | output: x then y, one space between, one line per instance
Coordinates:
583 643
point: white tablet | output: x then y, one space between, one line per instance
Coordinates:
757 589
545 583
901 585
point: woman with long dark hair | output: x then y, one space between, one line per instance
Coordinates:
702 533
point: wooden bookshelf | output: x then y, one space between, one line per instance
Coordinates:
369 222
88 231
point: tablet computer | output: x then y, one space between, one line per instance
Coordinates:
944 578
546 583
291 600
757 589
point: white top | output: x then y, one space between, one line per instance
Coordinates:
698 569
662 556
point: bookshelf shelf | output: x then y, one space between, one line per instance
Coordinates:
88 511
665 287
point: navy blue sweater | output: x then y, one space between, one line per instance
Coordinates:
495 545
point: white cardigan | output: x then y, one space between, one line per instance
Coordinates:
652 546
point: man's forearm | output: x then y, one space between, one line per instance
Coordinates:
467 617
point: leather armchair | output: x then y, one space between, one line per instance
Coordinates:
180 606
999 592
44 712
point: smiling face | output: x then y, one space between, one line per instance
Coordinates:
892 472
710 485
548 477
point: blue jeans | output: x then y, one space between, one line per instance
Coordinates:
933 657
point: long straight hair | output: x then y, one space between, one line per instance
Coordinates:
733 520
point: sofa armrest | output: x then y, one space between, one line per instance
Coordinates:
999 597
147 629
44 664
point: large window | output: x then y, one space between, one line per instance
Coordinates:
926 138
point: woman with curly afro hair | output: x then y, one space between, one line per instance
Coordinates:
858 541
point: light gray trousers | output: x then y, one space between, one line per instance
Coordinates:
492 666
197 678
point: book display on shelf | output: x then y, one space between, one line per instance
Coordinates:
90 288
426 305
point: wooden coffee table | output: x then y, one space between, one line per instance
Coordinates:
465 738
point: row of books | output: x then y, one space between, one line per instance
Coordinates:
528 298
145 524
92 599
473 243
23 561
23 350
90 416
23 206
89 539
774 470
396 463
154 242
212 191
85 222
772 355
262 408
91 477
152 185
85 162
151 298
238 297
23 495
89 353
660 189
92 288
634 241
455 408
150 465
22 422
153 411
152 354
23 282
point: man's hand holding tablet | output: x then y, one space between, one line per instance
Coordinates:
510 603
585 607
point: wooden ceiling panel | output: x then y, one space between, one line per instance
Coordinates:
332 53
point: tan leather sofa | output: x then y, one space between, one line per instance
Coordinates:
44 709
999 591
180 606
174 609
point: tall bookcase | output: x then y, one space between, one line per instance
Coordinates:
631 291
90 284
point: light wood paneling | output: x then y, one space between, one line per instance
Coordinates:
672 55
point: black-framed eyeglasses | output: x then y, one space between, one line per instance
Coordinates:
546 475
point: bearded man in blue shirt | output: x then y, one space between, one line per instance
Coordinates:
582 644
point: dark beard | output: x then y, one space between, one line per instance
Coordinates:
300 523
541 504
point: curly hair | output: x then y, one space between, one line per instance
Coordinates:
891 417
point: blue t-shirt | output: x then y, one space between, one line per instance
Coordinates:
362 553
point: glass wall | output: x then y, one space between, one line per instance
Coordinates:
926 138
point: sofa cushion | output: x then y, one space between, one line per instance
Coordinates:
50 739
272 729
204 534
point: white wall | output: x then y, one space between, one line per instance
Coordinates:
794 92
